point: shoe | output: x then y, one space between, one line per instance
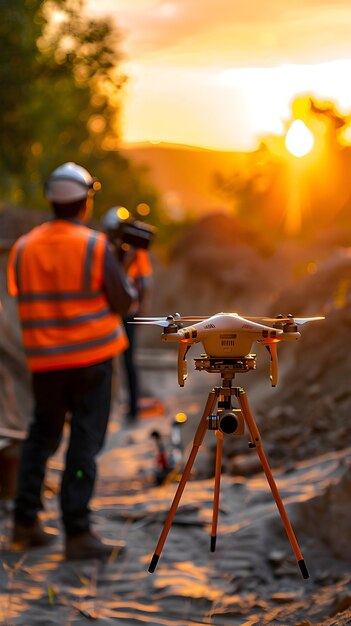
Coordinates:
87 545
31 535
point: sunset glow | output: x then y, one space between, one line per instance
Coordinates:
222 76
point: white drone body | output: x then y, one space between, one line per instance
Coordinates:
227 335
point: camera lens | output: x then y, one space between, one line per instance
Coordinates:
228 423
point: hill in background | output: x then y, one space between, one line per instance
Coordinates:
185 176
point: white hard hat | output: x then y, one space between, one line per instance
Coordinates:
69 183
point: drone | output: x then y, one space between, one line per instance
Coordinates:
227 337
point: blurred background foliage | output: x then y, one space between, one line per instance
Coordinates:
61 99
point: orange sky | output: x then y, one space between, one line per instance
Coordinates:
220 73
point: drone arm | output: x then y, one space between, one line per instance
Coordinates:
182 363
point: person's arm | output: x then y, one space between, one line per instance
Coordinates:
12 286
119 291
12 263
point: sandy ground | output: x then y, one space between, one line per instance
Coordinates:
251 579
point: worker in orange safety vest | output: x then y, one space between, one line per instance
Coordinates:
140 273
72 294
137 264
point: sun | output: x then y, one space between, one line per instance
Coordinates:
299 140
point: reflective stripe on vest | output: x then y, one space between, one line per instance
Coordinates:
65 317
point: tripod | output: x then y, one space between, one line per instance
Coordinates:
226 421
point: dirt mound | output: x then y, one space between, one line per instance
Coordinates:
216 265
308 413
213 231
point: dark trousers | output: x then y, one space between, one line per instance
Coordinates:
85 393
131 368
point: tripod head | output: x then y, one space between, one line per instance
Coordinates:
227 338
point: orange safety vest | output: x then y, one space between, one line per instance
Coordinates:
140 266
56 272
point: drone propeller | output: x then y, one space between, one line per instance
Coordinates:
176 318
285 320
148 322
303 320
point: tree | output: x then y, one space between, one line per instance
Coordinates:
61 98
18 35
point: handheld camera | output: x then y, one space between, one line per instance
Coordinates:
124 231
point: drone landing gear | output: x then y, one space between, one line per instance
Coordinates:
227 421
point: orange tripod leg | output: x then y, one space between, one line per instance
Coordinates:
198 439
218 470
256 440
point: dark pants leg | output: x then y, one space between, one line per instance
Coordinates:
86 393
43 439
131 369
90 408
